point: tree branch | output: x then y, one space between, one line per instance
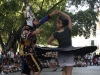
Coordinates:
42 5
54 6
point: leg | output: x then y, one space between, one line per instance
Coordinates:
37 73
25 68
63 69
31 72
53 64
67 70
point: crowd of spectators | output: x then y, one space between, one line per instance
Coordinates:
87 60
9 62
80 61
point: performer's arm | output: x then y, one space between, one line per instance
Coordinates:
50 41
39 31
32 14
67 17
43 20
25 14
46 18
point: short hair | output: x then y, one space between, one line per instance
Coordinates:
64 21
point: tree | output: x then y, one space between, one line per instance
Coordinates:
84 21
12 19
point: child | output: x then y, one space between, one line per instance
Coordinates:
63 36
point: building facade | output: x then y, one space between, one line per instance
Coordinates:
97 39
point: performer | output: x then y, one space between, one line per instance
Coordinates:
28 40
63 36
29 16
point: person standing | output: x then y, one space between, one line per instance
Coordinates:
28 38
63 36
11 55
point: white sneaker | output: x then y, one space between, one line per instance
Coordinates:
2 73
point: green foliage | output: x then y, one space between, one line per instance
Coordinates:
84 22
11 16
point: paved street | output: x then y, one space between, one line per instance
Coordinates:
90 70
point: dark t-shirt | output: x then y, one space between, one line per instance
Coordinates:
63 38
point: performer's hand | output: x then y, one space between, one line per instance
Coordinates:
57 11
53 13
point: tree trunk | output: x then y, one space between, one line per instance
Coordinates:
1 43
13 38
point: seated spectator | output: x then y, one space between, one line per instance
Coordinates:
1 70
53 63
79 63
6 68
84 64
95 61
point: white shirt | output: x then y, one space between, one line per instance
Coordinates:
11 54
